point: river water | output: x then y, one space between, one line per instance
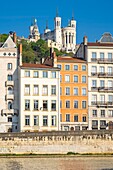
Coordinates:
68 163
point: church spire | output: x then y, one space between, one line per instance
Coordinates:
46 24
57 12
72 15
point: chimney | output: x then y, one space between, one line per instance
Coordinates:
54 58
85 40
20 54
14 37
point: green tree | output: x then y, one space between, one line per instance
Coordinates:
3 37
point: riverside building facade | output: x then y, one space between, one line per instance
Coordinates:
99 56
9 109
39 97
73 92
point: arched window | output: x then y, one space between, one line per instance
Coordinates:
10 105
10 90
57 23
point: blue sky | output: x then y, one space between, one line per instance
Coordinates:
94 17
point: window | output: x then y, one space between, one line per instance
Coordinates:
45 90
53 120
36 120
35 104
67 117
83 104
60 78
60 117
83 68
75 67
35 90
110 70
67 67
10 90
94 122
9 66
53 90
10 105
84 119
110 113
27 73
59 66
67 78
94 55
45 120
60 90
60 103
75 104
94 99
84 91
27 89
102 83
94 113
45 105
53 105
76 79
110 84
9 77
83 79
94 83
93 69
75 91
27 120
67 91
110 98
75 118
110 56
45 74
27 104
9 119
102 112
101 56
35 74
102 69
67 104
53 74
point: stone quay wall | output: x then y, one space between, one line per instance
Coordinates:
59 142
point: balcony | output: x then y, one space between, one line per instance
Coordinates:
105 89
105 75
102 104
94 88
9 97
93 59
9 83
102 74
94 74
9 112
105 60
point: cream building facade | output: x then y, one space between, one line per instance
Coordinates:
39 97
9 86
99 56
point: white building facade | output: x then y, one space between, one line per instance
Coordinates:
39 98
99 56
9 87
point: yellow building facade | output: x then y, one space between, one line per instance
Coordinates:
73 93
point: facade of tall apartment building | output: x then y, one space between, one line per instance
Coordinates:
9 110
99 56
62 38
73 91
39 97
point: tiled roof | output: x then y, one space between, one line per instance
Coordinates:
29 65
70 59
100 44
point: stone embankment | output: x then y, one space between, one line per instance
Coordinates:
57 142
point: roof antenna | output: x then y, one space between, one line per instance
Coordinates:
46 24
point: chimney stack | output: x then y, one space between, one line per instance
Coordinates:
14 37
85 40
20 54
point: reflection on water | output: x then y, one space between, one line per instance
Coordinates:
71 163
